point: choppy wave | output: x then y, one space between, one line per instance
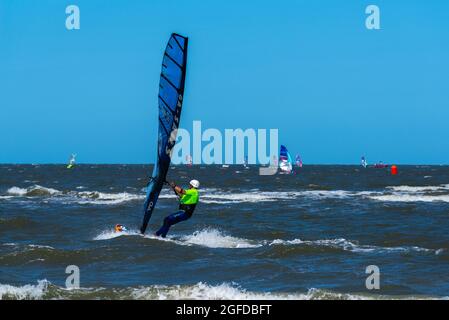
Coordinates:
210 238
208 195
79 197
414 194
16 223
419 188
95 197
44 290
347 245
33 191
111 234
394 193
410 198
264 196
404 193
213 238
24 254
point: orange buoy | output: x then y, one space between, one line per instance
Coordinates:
394 170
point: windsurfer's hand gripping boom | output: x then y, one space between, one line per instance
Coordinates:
177 189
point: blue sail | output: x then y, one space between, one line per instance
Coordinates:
171 95
285 160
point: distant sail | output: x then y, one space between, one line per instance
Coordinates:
285 161
171 95
189 160
72 161
298 161
364 162
275 161
381 165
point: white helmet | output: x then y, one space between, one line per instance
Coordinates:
195 183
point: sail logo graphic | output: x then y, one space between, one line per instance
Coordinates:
174 131
236 146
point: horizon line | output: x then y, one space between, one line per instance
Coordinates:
215 164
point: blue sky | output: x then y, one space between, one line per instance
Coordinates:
334 89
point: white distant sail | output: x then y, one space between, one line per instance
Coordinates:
245 163
298 161
72 161
189 160
364 162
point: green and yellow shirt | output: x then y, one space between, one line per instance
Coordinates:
190 197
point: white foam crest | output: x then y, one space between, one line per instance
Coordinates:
410 198
243 197
203 291
213 238
198 291
415 189
226 291
38 246
264 196
17 191
28 291
347 245
94 197
319 194
210 238
167 196
33 190
111 234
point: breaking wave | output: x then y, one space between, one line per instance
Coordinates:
213 238
33 191
79 197
347 245
95 197
111 234
210 238
216 196
45 290
420 188
414 194
208 195
264 196
410 198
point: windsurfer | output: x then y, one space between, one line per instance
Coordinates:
188 199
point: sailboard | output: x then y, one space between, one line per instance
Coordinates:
170 99
285 161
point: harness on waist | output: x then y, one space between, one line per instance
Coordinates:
187 208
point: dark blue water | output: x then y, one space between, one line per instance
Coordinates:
305 236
